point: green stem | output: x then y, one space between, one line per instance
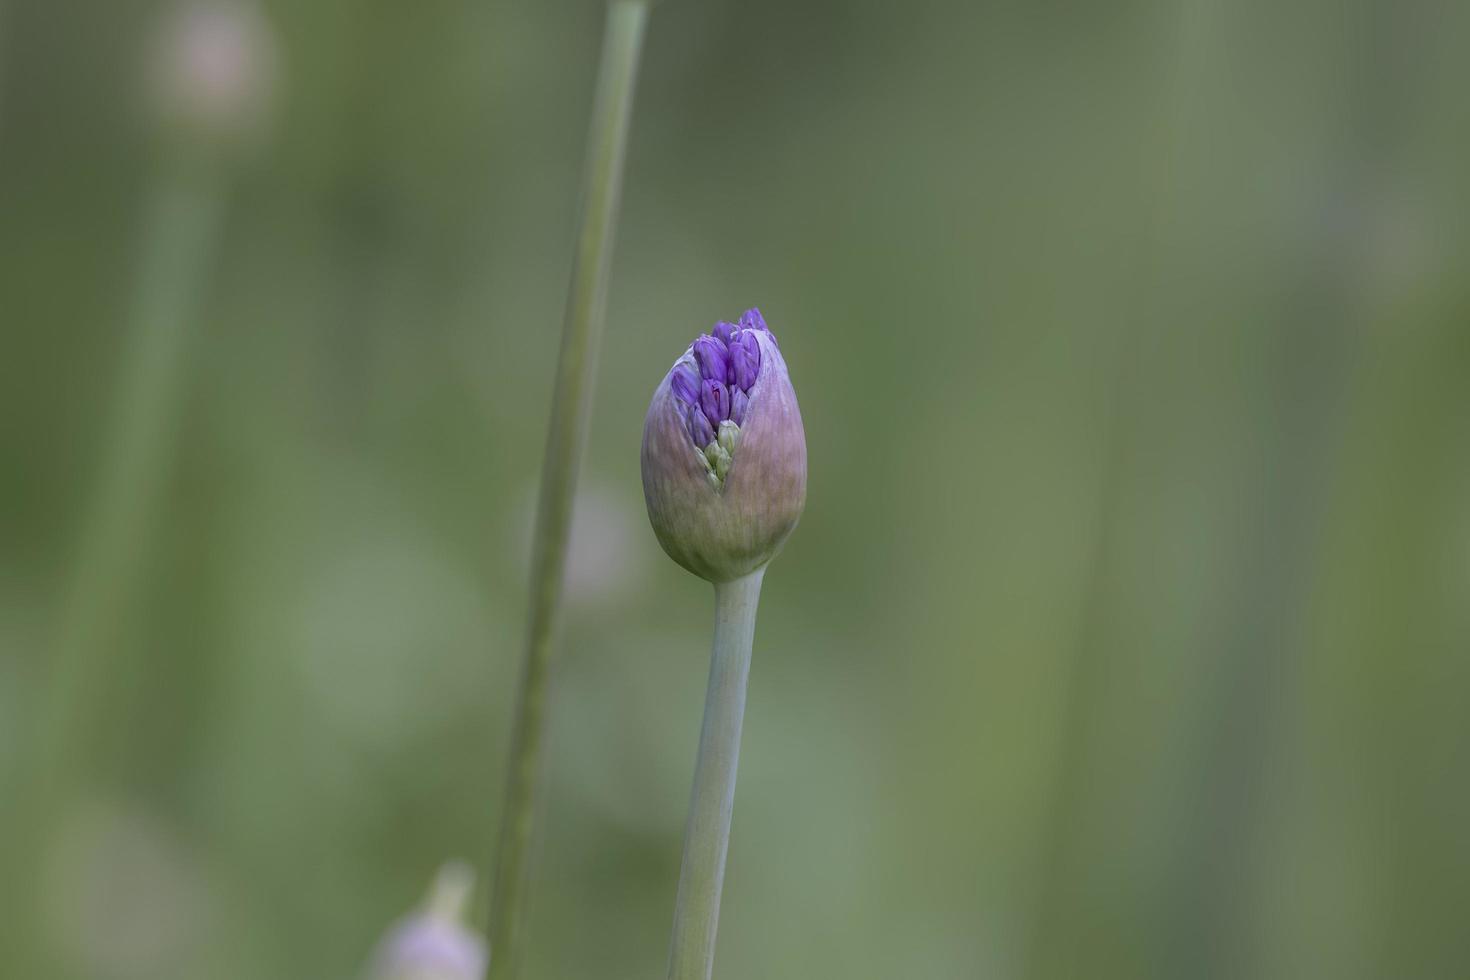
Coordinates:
181 228
570 415
707 834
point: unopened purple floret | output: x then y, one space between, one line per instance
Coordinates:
714 398
738 403
751 319
699 426
684 380
713 358
717 387
745 360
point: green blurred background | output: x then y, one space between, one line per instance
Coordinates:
1127 632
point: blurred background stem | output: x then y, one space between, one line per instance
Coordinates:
180 228
707 834
180 224
570 415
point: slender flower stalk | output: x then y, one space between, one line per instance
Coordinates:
570 416
711 804
724 477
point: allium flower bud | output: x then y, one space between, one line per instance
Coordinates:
738 403
751 319
723 331
725 479
713 358
701 433
714 398
685 382
434 943
745 360
729 435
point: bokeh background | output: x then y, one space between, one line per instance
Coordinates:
1127 633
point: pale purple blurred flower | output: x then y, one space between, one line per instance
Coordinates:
434 943
215 68
425 948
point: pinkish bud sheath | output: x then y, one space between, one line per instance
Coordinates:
724 513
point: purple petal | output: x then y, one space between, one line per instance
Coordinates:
699 428
713 358
738 403
724 330
745 360
751 319
714 398
684 381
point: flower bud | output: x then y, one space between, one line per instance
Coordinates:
745 360
714 398
434 943
751 319
724 331
728 436
738 403
719 460
713 358
725 479
701 433
685 382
